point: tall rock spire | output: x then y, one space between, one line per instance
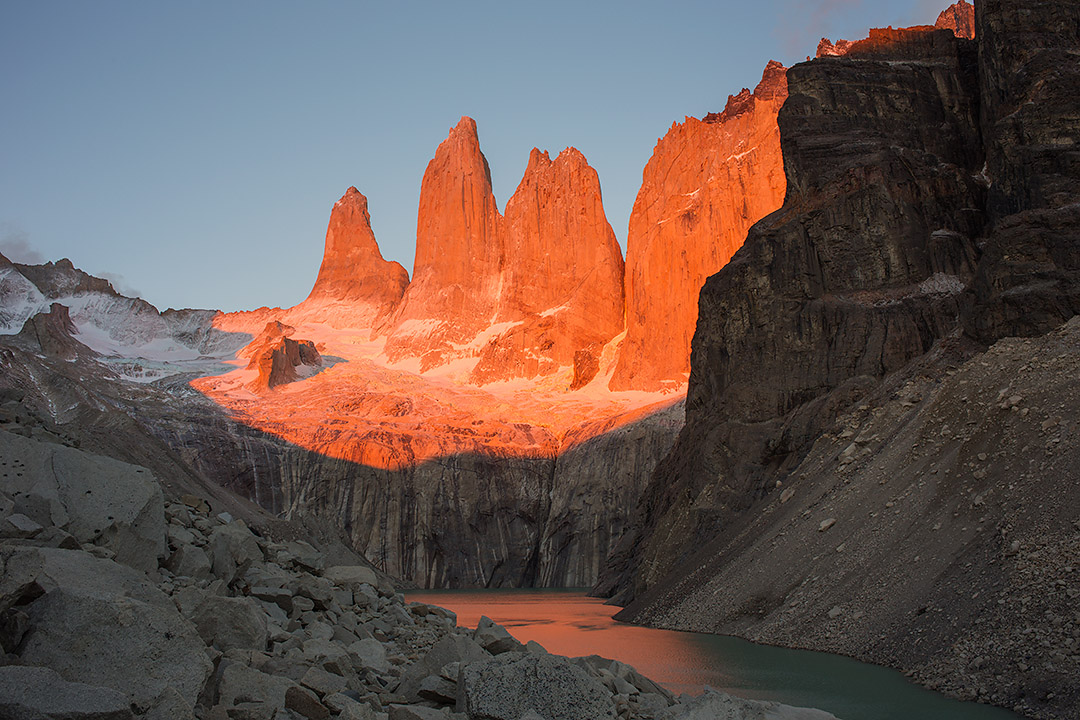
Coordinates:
563 271
524 293
458 254
353 270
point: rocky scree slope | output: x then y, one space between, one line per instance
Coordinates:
115 604
930 211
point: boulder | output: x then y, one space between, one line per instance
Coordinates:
323 652
19 570
305 555
224 622
37 693
348 708
415 712
238 683
494 638
369 653
439 689
189 561
171 705
234 548
713 705
322 682
94 498
19 527
102 623
350 575
597 666
512 684
304 702
450 649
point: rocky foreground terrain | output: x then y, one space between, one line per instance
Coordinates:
115 603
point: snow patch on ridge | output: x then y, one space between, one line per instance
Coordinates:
554 311
20 300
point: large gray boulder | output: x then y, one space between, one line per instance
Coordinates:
451 649
715 705
350 575
234 549
239 683
224 622
494 638
101 623
190 561
37 693
512 684
94 498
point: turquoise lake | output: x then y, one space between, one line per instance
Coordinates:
567 622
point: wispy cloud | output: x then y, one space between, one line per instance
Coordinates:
120 284
799 25
15 246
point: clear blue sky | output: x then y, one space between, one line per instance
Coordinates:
193 150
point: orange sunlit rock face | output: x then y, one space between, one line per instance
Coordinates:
525 306
353 271
278 358
454 291
562 276
960 18
519 295
707 182
360 409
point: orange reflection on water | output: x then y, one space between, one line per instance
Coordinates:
567 623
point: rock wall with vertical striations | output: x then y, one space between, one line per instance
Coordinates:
706 183
1029 277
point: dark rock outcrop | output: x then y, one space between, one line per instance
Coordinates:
1028 280
53 334
596 485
